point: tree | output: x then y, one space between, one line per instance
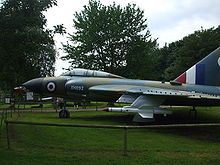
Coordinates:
191 49
165 57
110 38
27 47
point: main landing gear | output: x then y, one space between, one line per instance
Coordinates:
193 111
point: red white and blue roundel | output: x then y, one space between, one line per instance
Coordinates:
51 86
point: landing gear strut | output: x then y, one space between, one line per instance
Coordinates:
64 113
195 113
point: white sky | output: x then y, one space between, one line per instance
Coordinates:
168 20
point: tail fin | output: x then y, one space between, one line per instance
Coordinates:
205 72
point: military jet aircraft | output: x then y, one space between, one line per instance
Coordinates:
198 86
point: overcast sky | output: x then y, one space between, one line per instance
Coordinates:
168 20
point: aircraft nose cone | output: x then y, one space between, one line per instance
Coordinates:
35 85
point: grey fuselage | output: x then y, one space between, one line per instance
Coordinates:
78 88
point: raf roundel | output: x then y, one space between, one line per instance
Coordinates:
51 86
219 61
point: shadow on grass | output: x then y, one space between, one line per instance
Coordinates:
115 119
178 117
205 133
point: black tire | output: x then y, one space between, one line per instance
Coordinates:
64 114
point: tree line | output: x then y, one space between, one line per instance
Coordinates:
111 38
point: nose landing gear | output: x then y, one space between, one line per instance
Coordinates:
64 114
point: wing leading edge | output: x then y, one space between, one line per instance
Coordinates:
128 92
140 90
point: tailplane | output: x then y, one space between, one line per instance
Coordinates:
205 72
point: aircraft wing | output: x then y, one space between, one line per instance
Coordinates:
128 91
145 101
140 90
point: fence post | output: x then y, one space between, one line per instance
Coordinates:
125 140
7 134
3 117
11 108
6 114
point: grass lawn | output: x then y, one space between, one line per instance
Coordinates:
87 146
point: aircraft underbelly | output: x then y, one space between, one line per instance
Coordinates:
170 101
192 102
103 97
113 97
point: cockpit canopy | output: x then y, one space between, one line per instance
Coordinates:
89 73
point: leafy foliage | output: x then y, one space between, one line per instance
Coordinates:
26 46
179 56
111 38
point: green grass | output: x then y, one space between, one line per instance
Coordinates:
88 146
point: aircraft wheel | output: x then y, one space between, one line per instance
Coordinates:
64 113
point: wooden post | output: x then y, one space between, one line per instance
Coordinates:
2 118
125 140
6 114
18 113
7 134
11 108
